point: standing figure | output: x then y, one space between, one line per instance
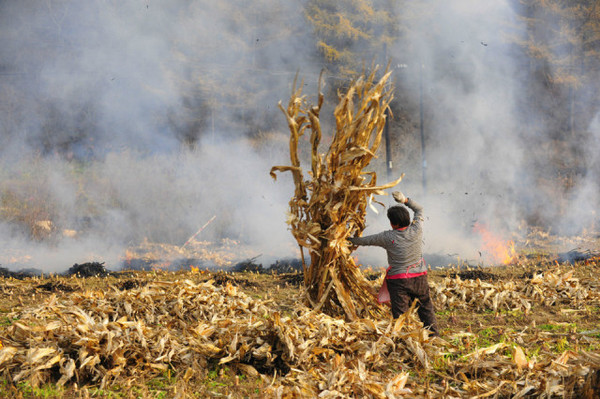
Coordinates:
406 276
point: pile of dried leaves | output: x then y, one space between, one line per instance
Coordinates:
504 369
97 337
102 337
549 287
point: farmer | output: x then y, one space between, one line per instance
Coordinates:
406 276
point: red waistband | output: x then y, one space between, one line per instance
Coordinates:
407 274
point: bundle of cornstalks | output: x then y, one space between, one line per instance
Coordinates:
331 205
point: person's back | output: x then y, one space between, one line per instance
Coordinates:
404 243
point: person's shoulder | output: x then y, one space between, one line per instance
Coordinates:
387 234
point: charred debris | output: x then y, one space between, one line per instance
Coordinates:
250 265
98 269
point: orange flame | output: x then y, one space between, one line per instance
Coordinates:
498 250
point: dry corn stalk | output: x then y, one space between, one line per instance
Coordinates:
331 205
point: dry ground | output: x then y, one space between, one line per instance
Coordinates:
548 328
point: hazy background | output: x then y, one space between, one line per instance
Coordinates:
126 120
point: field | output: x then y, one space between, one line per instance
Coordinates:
527 329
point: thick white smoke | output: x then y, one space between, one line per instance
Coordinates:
490 159
456 63
121 87
99 101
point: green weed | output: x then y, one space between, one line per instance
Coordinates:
44 391
7 321
487 336
563 327
562 345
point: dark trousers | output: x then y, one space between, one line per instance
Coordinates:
404 290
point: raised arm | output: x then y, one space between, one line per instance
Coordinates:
412 204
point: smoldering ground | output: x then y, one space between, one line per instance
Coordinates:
140 119
126 198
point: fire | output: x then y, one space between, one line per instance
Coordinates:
194 269
499 250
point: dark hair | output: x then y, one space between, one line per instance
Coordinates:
398 216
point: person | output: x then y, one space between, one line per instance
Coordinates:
406 276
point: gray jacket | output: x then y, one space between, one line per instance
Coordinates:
404 247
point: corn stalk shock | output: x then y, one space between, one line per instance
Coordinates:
330 205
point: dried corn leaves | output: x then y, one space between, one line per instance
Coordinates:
331 205
517 367
100 338
115 336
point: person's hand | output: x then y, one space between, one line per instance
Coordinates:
399 197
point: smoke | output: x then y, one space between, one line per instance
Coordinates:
129 120
126 120
475 163
582 210
492 158
128 197
457 68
